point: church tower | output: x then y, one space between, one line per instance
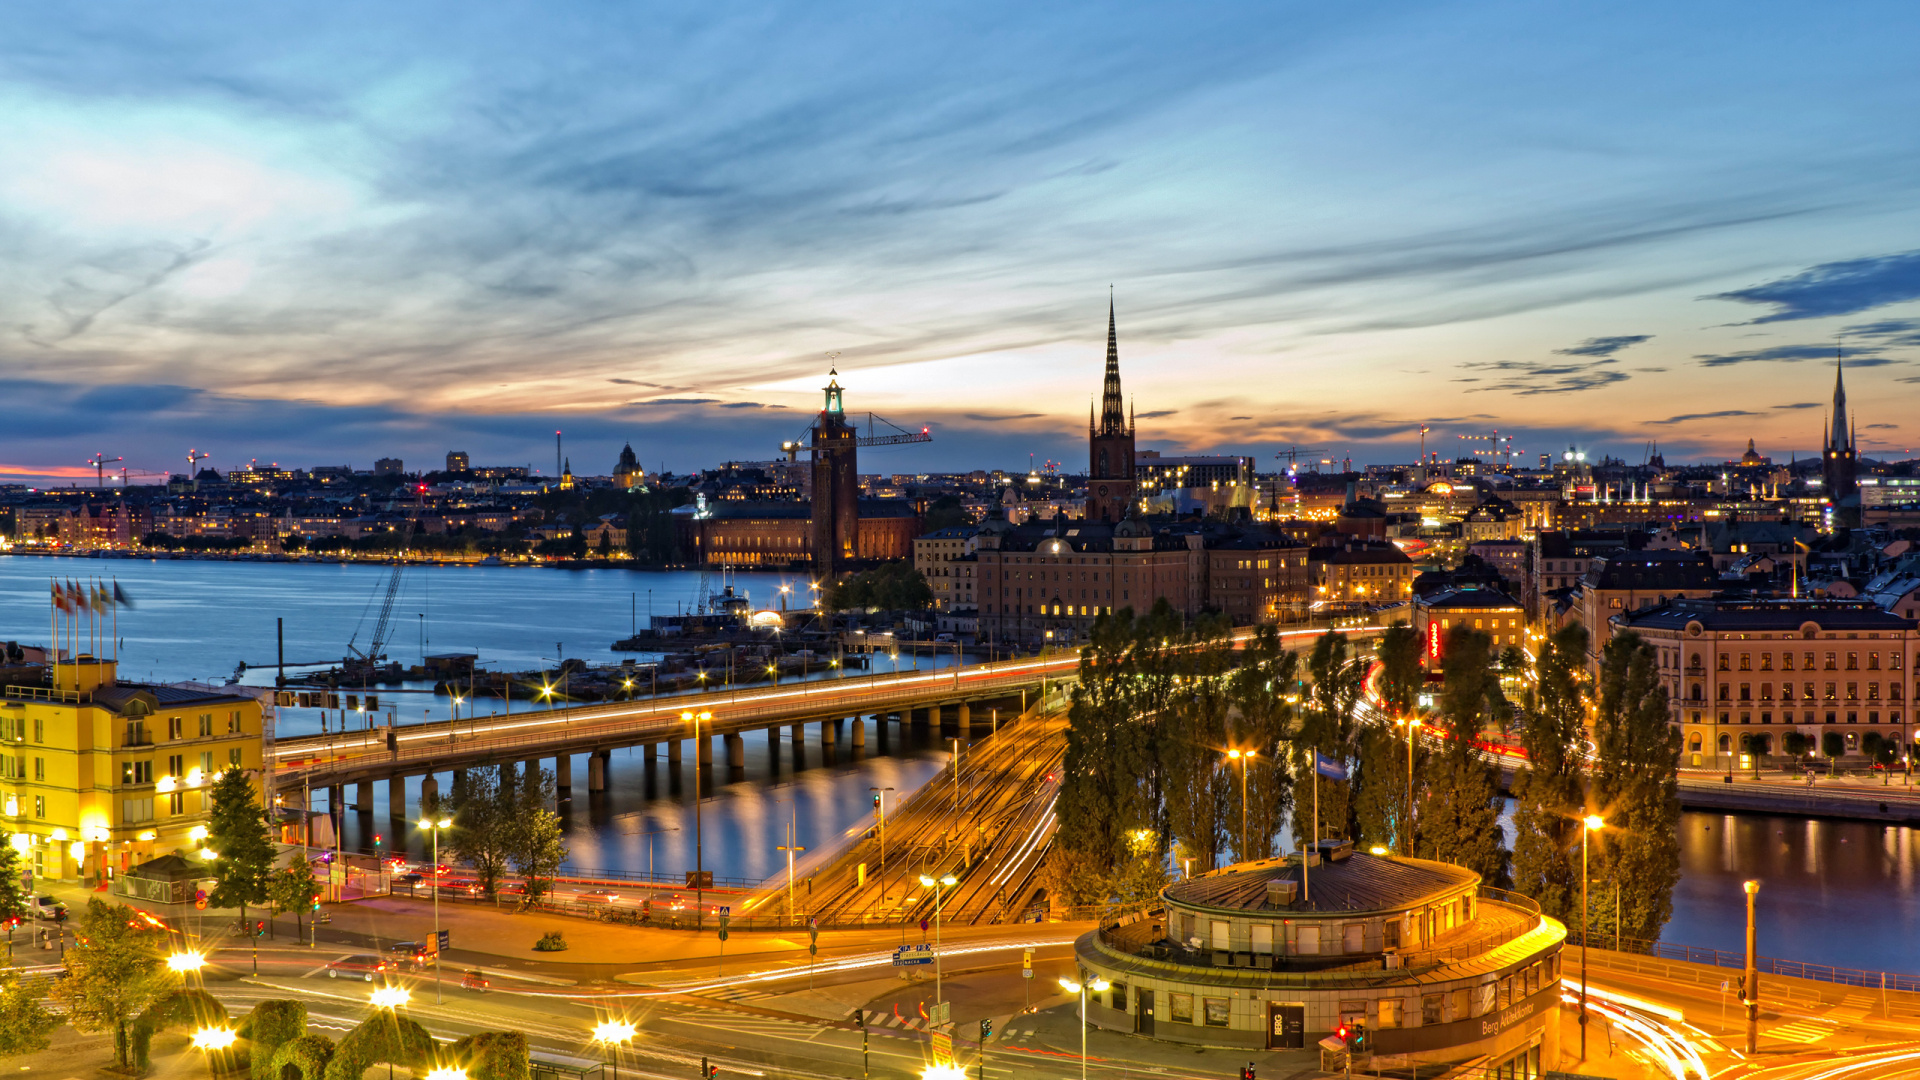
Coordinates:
836 486
1110 443
1839 461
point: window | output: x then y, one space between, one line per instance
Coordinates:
1746 661
206 725
39 730
1853 661
174 763
206 762
39 806
136 733
1786 661
233 757
1766 661
136 772
177 803
1352 937
1217 1012
1726 662
1390 1012
174 725
134 810
1180 1007
1430 1008
1830 662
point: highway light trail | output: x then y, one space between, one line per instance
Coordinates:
1667 1048
862 962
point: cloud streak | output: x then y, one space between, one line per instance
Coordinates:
1836 288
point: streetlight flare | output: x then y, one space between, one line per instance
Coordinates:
183 962
1594 822
613 1031
390 997
213 1038
447 1072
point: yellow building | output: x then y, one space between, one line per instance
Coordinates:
97 774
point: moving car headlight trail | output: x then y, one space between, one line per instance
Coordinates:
1664 1045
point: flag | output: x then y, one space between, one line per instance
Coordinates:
1331 768
120 597
59 597
101 601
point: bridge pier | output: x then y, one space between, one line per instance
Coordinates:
649 752
563 773
596 772
829 734
799 735
922 717
459 777
363 797
965 719
859 737
673 752
704 747
736 752
397 800
429 789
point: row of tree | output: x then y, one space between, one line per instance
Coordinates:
503 821
1177 738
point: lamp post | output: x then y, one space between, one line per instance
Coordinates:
699 851
1592 823
1750 980
613 1034
880 809
1406 846
435 825
1071 987
1243 757
389 999
946 881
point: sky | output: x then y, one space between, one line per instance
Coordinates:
321 234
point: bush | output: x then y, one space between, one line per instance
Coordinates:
552 942
1833 744
492 1055
271 1025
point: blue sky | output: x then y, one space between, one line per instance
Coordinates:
326 235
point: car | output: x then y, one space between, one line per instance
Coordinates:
413 879
49 909
597 896
474 980
406 949
363 965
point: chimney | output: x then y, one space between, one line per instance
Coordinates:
1282 893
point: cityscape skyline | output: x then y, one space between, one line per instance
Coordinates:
1580 227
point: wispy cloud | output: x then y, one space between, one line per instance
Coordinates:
1793 354
1529 378
1604 346
1835 288
1719 415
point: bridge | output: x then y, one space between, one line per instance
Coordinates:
958 698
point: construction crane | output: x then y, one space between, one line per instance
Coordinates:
1293 452
1501 444
793 448
100 463
383 625
193 456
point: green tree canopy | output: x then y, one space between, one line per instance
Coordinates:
1459 820
237 835
1550 794
25 1021
891 586
114 973
1636 785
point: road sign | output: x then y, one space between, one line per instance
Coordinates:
1026 963
943 1047
441 938
912 955
699 879
941 1013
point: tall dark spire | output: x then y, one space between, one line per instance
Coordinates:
1113 411
1841 437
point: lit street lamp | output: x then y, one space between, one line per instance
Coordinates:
947 881
436 824
613 1034
1243 757
1592 823
699 865
1750 979
1098 986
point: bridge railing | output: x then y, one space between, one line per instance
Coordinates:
1767 965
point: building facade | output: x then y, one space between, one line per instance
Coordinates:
1624 581
836 485
1278 954
944 559
1737 671
101 776
1489 611
1840 462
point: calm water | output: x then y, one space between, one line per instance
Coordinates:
1833 892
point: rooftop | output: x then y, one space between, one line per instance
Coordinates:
1360 882
1764 614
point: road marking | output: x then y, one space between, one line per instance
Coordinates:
1800 1031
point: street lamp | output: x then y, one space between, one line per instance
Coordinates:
1750 980
1413 724
1097 986
181 963
945 882
1592 823
447 1072
436 825
1243 757
699 863
612 1034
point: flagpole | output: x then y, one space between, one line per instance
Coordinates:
1306 886
53 623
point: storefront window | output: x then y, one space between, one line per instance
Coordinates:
1216 1012
1182 1008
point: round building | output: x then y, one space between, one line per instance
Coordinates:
1430 964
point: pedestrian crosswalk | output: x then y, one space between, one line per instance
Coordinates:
1801 1031
740 993
1855 1007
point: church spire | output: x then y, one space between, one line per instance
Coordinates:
1841 437
1113 414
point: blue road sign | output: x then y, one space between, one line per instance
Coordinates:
912 955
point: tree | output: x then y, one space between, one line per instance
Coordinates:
113 974
293 889
237 835
25 1021
1833 744
1102 797
1198 788
1262 697
1636 785
1550 794
483 827
1400 675
13 894
535 846
1326 726
1796 743
1460 817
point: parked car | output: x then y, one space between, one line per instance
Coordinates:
474 980
363 965
49 909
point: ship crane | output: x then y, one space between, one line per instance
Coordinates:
793 447
100 463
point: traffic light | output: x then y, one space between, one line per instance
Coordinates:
876 801
986 1030
260 928
1246 1071
1359 1042
316 901
708 1072
1345 1036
